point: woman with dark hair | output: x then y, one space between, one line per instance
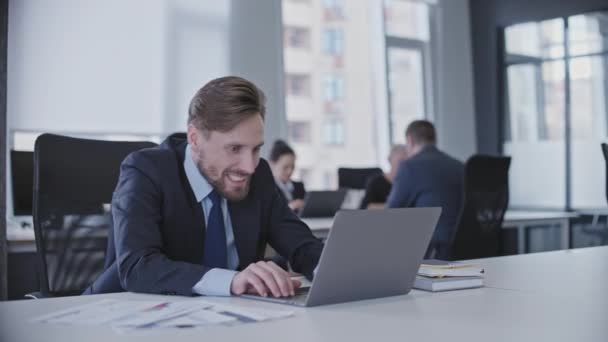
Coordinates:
282 164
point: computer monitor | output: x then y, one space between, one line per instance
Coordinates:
22 170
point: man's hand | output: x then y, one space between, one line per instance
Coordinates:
296 205
264 278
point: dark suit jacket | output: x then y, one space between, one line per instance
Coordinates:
159 228
431 178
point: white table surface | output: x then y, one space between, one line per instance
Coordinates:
580 273
535 302
525 215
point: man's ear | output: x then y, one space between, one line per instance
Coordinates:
192 136
409 142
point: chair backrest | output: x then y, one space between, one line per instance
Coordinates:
605 153
73 184
486 198
22 172
355 178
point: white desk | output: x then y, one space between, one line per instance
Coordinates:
575 273
524 308
522 219
20 239
518 219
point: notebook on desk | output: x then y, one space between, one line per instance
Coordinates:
437 275
447 284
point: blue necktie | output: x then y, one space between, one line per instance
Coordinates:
215 254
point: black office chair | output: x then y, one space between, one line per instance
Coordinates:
355 178
73 180
486 198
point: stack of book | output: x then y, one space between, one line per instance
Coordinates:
437 275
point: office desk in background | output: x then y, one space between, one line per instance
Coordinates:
535 297
22 239
523 219
517 219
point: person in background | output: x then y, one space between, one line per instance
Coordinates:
282 164
378 186
429 178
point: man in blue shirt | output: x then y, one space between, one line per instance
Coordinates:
429 178
194 215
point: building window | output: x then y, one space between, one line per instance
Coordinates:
296 37
333 132
407 19
333 88
298 84
299 131
333 9
333 41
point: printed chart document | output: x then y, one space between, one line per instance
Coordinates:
126 316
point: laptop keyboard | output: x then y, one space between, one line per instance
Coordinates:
299 298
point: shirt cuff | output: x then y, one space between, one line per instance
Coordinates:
216 282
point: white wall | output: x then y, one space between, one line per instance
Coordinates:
85 65
111 66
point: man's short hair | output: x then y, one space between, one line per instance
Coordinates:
222 103
421 132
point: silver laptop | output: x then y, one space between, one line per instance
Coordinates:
322 203
368 254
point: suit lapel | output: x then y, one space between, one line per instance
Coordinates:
196 209
246 228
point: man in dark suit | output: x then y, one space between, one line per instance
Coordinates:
429 178
194 215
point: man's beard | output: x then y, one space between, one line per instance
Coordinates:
219 184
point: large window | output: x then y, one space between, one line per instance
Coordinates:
556 111
347 118
407 28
